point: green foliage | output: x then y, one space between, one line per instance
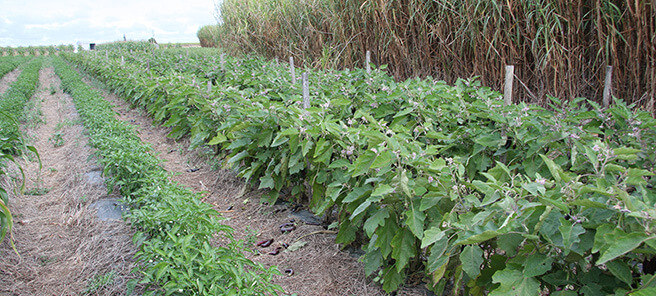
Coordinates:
11 142
14 99
208 35
33 50
127 46
174 228
9 63
98 282
425 176
57 139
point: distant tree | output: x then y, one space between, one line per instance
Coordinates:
208 35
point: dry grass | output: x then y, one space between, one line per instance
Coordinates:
559 48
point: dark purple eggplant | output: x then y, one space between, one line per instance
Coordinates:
287 227
289 272
276 251
265 243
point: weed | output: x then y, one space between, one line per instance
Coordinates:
67 123
99 282
36 191
45 260
33 114
57 139
38 188
251 237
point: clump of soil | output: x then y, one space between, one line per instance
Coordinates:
64 249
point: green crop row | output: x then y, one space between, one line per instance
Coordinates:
174 228
12 103
126 46
427 177
14 99
8 64
33 50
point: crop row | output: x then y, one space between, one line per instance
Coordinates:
8 64
35 50
174 228
12 103
14 99
426 176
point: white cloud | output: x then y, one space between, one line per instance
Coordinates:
51 26
47 22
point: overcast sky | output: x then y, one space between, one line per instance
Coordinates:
55 22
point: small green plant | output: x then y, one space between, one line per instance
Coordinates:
45 260
57 139
38 188
99 282
53 89
67 123
33 114
36 191
251 237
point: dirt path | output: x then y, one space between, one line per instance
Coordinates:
8 79
64 248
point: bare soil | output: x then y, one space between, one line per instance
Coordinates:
64 249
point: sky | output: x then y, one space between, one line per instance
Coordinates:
56 22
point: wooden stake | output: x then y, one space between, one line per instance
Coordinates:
106 55
277 62
367 61
306 91
122 61
209 86
292 69
608 85
223 62
653 90
507 90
